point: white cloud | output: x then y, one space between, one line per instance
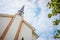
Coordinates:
41 38
11 6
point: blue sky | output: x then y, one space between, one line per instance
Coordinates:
35 13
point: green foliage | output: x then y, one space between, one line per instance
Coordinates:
57 34
54 12
55 6
49 15
58 31
56 22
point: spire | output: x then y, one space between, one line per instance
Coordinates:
21 11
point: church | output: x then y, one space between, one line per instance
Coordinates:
14 27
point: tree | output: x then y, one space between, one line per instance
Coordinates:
55 6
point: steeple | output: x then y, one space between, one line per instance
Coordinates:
21 11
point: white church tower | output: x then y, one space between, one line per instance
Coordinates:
14 27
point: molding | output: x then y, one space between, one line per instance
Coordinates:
35 34
29 25
18 30
7 28
6 15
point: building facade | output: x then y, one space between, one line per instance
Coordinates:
14 27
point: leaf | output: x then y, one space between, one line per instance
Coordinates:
56 36
49 15
54 12
58 31
58 10
56 22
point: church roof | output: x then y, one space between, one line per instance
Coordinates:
24 21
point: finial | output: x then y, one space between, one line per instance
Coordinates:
21 11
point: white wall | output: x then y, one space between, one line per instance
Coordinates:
25 32
13 29
3 23
33 37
